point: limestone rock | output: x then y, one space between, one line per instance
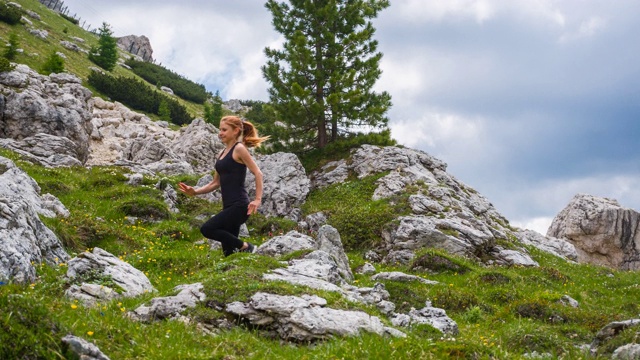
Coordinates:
198 144
286 244
400 276
170 306
55 105
286 185
83 349
137 45
627 352
435 317
555 246
328 240
611 330
304 318
91 294
24 240
131 280
602 231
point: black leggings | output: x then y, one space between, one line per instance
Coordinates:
225 227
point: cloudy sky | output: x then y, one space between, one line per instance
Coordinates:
528 101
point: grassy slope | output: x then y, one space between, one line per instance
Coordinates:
502 312
37 50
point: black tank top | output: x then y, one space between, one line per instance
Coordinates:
232 175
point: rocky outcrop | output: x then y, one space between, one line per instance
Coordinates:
137 45
319 270
24 240
57 105
446 213
602 231
131 139
306 318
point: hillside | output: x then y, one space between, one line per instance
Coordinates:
380 254
58 30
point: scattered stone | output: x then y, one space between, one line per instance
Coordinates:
569 301
400 276
170 306
83 349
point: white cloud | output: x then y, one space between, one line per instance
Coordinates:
479 11
585 29
539 224
435 129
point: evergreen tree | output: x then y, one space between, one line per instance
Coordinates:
53 64
11 50
105 54
164 111
213 112
322 80
216 110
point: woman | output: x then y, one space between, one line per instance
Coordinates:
231 170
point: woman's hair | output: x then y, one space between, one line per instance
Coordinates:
248 131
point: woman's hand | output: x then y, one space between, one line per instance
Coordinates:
189 190
253 207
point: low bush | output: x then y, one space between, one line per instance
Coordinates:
10 14
138 95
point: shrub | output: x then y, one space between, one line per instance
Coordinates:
10 14
53 64
437 263
11 50
145 208
455 300
6 65
157 74
70 19
137 95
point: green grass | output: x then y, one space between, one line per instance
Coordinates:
502 312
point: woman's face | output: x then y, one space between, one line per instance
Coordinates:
228 133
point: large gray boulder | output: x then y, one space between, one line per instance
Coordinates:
24 240
56 105
137 45
99 262
602 231
286 184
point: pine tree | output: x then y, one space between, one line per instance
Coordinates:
216 110
11 50
322 80
105 54
164 111
53 64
